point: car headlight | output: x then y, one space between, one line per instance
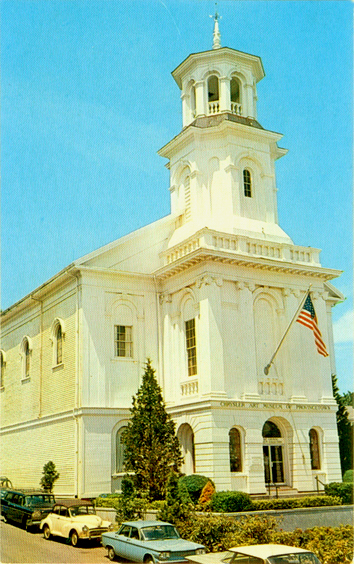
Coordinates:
200 551
164 555
85 529
36 515
110 527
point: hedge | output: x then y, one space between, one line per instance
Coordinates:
294 502
344 490
332 545
229 502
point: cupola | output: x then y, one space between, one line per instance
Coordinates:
218 81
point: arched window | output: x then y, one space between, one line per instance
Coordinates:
2 360
271 430
26 358
314 450
235 450
186 439
247 183
59 345
193 101
120 447
235 96
191 346
213 94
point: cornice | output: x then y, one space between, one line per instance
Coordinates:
236 250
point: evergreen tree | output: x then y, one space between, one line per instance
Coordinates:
345 429
151 444
50 475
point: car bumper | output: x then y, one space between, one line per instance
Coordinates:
93 533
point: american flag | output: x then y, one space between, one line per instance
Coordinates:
307 317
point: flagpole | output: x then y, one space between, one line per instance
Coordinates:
266 368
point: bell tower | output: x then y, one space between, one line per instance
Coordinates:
222 173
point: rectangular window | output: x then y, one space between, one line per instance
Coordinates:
123 344
191 347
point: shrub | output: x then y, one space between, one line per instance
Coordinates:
174 507
50 475
229 502
332 545
221 532
348 476
194 484
292 503
204 501
344 490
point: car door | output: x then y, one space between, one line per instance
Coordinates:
54 517
136 551
123 542
16 510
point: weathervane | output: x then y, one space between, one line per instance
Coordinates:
216 34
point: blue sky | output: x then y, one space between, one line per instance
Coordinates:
88 99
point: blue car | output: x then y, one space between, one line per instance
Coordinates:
149 541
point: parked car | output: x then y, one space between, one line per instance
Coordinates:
149 541
74 519
26 508
259 554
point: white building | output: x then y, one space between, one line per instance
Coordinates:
207 293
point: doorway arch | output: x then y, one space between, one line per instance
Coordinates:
273 453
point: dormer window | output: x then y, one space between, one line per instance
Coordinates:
213 94
247 183
235 96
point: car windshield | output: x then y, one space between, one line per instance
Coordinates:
40 500
82 510
295 558
159 532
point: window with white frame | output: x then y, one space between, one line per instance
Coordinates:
123 341
120 447
2 360
314 450
26 357
59 345
191 346
235 450
247 183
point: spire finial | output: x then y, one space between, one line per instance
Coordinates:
216 34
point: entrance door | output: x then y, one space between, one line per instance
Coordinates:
273 444
273 464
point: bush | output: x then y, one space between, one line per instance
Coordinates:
344 490
332 545
194 485
204 501
230 502
292 503
221 532
175 506
348 476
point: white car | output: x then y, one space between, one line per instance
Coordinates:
258 554
74 519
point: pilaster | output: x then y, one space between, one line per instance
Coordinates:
249 380
209 337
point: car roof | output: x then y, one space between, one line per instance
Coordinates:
73 502
140 524
265 550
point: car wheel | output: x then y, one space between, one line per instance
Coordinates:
46 532
74 539
111 553
149 560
